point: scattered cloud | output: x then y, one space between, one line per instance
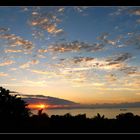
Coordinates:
130 70
13 69
133 40
35 83
138 20
75 46
6 63
14 41
115 62
12 51
47 21
119 58
2 29
111 78
42 50
28 64
135 11
2 74
41 72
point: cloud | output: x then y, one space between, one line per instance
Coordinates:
61 9
120 10
104 39
130 70
14 41
34 62
2 74
13 69
52 29
111 42
6 63
75 46
40 56
35 83
135 11
75 64
41 72
42 50
12 51
98 84
115 62
133 40
35 13
28 64
81 59
138 20
119 58
134 85
13 79
2 29
76 69
47 21
111 77
103 36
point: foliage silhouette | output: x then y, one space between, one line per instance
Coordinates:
12 106
99 117
13 110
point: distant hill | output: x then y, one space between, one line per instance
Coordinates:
32 99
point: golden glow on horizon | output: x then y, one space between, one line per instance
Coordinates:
45 106
37 106
41 106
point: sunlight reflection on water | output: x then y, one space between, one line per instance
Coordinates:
108 112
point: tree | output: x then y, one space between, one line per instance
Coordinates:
125 116
99 117
12 107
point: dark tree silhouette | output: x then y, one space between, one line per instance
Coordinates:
125 116
12 107
40 112
99 117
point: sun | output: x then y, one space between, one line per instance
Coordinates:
37 106
41 106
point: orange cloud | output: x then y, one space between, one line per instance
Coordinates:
6 63
3 74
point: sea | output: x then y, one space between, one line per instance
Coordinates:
90 113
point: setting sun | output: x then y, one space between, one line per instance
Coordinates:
41 106
37 106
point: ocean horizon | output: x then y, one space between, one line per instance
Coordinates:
90 113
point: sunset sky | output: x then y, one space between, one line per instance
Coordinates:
83 54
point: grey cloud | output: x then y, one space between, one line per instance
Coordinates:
14 41
129 70
2 29
133 40
75 46
82 59
119 58
103 36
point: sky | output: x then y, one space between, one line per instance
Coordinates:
83 54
